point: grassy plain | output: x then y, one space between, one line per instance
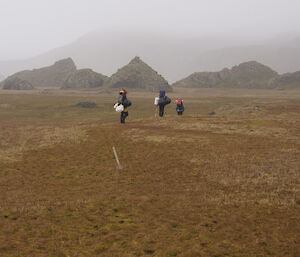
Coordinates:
198 185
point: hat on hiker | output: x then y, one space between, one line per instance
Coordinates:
162 93
123 92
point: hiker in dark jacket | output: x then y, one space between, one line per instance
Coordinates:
123 100
162 102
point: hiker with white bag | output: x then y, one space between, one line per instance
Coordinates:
161 101
122 105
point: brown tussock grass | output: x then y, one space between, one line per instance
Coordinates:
32 138
189 185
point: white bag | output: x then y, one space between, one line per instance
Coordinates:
156 99
120 108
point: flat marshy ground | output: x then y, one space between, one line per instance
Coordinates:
198 185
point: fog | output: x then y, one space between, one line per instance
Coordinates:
31 27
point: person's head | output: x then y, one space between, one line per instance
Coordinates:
123 92
162 93
179 102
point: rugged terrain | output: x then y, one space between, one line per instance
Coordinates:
245 75
64 74
85 78
138 75
173 56
51 76
286 81
199 185
15 83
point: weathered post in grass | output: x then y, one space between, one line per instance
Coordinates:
117 159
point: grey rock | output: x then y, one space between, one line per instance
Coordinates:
246 75
86 104
85 78
51 76
139 75
286 81
14 83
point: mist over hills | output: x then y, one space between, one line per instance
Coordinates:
173 56
65 75
139 75
52 76
280 58
245 75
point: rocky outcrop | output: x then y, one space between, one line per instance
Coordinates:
85 78
286 81
246 75
138 75
15 83
51 76
252 75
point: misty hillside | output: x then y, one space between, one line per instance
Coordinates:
84 78
286 81
1 77
139 75
174 57
62 74
51 76
15 83
281 59
246 75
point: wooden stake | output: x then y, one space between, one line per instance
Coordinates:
117 159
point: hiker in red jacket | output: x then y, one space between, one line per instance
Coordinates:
179 106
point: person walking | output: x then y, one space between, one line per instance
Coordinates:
122 105
162 102
179 106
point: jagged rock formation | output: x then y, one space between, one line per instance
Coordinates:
15 83
84 78
138 75
51 76
286 81
246 75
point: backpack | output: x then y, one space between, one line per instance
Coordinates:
164 100
126 103
179 104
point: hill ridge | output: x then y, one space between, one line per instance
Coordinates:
250 74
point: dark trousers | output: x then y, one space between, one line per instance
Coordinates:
123 116
161 110
179 113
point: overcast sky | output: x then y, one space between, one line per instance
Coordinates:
31 27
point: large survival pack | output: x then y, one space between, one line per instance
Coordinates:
126 102
164 100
